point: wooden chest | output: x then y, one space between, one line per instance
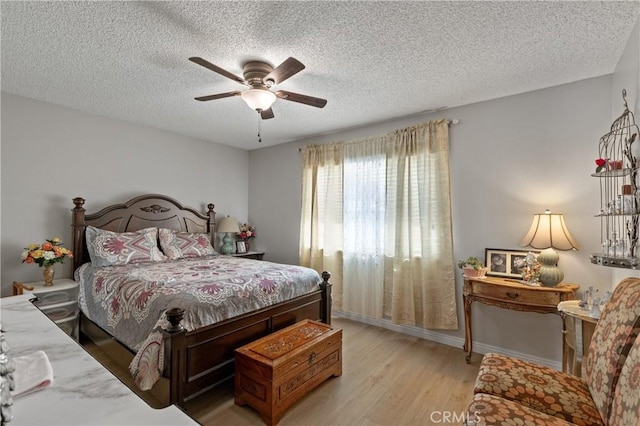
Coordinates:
274 372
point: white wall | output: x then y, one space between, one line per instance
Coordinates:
627 76
51 154
510 158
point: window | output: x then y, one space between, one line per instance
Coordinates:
376 213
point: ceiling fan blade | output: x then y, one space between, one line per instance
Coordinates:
215 68
288 68
303 99
218 96
266 114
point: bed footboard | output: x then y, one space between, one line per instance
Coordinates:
201 359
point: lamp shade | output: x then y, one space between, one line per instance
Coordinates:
228 224
259 99
549 230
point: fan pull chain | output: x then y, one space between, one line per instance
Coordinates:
259 128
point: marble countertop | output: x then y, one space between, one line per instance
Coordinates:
83 391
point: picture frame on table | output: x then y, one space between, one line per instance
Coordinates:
505 262
241 247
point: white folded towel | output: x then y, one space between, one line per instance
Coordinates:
33 372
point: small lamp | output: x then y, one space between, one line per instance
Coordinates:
228 225
548 231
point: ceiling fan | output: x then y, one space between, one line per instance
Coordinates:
260 77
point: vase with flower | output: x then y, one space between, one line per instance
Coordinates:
531 270
246 234
46 255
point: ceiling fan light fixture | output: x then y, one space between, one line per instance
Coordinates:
259 99
261 77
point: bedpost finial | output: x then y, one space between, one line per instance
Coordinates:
78 202
326 275
211 206
174 316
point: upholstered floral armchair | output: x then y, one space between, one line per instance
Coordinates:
510 391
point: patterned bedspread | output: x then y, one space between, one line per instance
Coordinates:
129 301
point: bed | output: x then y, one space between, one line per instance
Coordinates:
194 359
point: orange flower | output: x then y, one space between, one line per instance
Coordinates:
46 254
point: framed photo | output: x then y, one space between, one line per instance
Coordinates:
506 263
241 247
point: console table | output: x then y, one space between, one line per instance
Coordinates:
83 392
510 294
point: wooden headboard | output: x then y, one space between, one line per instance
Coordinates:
145 211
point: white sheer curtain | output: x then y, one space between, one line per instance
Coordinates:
376 213
363 227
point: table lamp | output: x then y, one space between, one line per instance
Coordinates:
548 231
228 225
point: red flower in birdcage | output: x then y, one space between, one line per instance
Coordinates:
600 163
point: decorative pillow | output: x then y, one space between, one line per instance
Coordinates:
177 245
108 248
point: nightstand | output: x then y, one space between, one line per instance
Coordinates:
59 302
573 315
257 255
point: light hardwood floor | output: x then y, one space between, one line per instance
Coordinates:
388 379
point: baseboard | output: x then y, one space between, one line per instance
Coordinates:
434 336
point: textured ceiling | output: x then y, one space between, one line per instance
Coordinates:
372 61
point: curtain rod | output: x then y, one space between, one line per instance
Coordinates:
454 121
